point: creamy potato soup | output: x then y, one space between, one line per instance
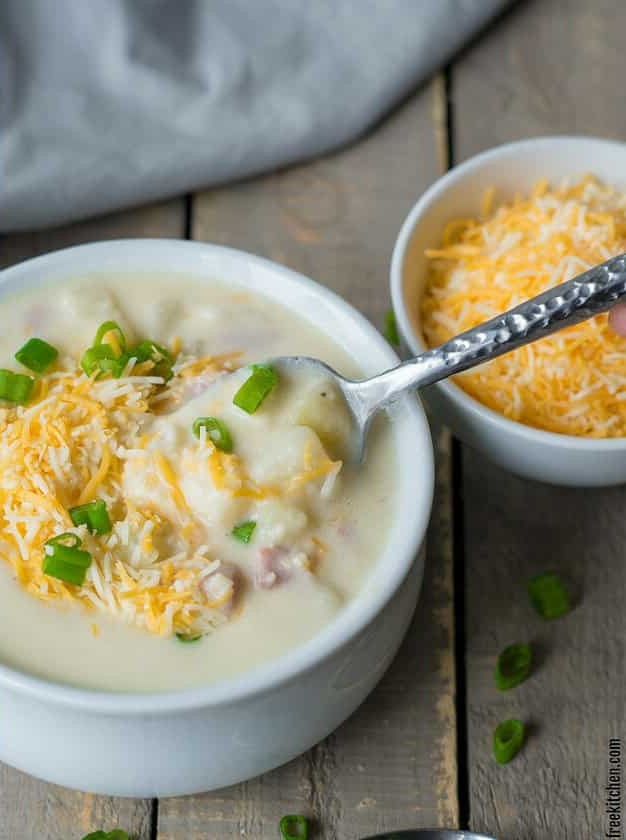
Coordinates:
173 509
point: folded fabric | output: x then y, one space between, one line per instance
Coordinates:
110 103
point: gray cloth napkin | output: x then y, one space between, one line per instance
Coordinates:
110 103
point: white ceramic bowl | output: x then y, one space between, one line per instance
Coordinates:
515 167
178 743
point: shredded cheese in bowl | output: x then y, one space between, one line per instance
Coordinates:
573 382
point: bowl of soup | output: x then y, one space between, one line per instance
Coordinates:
197 583
499 229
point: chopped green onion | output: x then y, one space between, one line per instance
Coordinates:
94 515
391 328
68 539
243 532
507 740
64 560
71 556
294 827
513 666
108 353
37 355
118 344
15 387
57 566
216 431
548 595
254 390
102 359
150 351
187 639
116 834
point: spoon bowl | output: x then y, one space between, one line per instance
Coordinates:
583 297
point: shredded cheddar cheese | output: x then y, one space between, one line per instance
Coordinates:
83 438
573 382
67 447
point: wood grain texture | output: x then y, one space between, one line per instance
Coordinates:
31 809
547 67
393 764
158 220
574 702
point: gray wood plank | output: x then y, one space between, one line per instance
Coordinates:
394 763
157 220
31 809
547 67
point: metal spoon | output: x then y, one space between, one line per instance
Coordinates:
430 834
589 294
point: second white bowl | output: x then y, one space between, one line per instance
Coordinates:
515 167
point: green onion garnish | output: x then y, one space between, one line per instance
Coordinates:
108 353
391 328
216 431
254 390
187 639
150 351
68 539
294 827
110 333
37 355
513 666
102 359
64 560
15 387
507 740
243 532
548 595
94 515
116 834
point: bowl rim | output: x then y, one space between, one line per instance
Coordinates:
359 612
468 404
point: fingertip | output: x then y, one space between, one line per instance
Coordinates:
617 319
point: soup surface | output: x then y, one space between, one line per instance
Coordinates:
170 514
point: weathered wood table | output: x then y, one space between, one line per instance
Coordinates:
418 751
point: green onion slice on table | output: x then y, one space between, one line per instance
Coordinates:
65 560
16 387
37 355
243 532
216 431
116 834
294 827
256 388
548 595
508 739
94 515
391 328
513 666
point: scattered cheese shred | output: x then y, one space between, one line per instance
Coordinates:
573 382
68 447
